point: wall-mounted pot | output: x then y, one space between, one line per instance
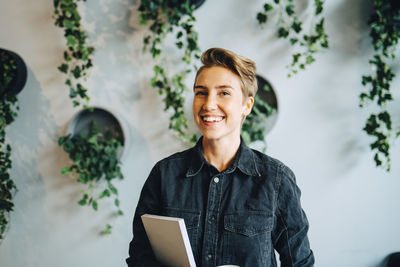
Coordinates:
105 120
267 94
18 75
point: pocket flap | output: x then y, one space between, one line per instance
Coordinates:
248 224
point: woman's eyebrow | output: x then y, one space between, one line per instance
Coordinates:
199 87
224 86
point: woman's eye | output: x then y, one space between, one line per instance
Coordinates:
225 93
200 93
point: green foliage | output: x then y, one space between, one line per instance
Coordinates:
94 154
385 34
107 230
291 28
8 71
253 128
165 16
8 113
95 162
78 55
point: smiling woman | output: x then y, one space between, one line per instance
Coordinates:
219 106
240 204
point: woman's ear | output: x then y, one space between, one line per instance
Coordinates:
248 105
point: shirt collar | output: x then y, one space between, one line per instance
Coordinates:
244 160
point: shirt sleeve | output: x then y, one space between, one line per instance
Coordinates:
140 251
291 224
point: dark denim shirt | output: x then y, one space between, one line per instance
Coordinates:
237 216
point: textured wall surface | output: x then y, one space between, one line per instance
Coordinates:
353 207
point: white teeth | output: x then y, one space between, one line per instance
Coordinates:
212 119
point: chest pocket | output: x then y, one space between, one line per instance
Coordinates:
246 239
248 224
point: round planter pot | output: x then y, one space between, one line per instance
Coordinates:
105 120
20 74
267 94
393 260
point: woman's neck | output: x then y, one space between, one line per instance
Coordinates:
220 153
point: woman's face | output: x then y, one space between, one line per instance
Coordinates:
218 106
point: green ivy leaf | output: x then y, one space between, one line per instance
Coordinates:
63 68
262 18
83 201
95 205
107 230
65 170
283 33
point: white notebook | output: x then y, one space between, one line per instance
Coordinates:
169 240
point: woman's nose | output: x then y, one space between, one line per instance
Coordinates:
210 103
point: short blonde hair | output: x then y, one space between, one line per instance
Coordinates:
241 66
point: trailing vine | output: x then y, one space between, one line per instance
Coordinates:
8 113
291 28
167 17
385 34
95 159
95 152
78 55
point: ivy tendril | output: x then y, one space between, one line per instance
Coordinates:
167 16
78 56
385 33
8 113
95 157
291 28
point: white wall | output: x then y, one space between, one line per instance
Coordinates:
351 205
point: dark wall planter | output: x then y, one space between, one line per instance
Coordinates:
19 75
267 94
106 121
393 260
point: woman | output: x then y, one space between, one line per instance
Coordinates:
238 204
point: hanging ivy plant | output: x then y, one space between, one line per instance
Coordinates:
95 160
385 34
96 163
94 153
7 116
292 29
167 17
11 82
78 55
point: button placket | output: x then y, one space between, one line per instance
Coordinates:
211 227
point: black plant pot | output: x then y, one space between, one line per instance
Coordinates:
105 120
19 75
393 260
266 92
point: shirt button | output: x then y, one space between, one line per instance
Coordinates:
216 180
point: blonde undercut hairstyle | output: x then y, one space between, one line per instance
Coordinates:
241 66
